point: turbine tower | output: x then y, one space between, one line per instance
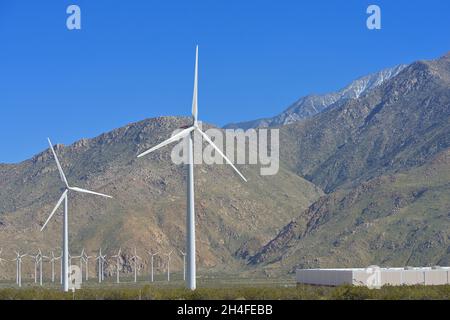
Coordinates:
135 262
86 261
37 259
168 264
52 262
101 263
18 260
40 266
190 217
64 197
1 259
117 256
184 264
151 261
81 257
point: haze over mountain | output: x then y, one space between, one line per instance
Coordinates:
364 181
312 104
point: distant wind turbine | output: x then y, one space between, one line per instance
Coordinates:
151 262
118 257
41 270
18 260
37 259
184 264
52 262
135 262
190 218
168 264
81 258
101 263
1 259
86 261
64 197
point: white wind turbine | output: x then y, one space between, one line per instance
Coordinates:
37 258
190 218
86 261
81 257
101 263
64 197
151 262
135 262
18 260
1 259
52 262
184 264
118 257
40 266
168 264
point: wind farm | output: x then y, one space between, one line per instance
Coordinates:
224 151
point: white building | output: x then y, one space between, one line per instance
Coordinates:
374 276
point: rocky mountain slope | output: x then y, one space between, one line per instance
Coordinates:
398 219
149 205
364 181
398 125
311 105
384 161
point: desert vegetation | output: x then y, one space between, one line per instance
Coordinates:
300 292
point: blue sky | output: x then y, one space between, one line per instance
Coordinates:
134 59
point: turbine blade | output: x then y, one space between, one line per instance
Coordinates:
174 138
205 136
89 191
195 94
61 172
54 210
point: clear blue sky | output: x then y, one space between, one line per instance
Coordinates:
134 59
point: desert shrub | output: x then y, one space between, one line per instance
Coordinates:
148 292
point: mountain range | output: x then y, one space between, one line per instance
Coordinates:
364 179
310 105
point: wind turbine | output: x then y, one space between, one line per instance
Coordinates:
60 267
37 259
1 259
18 260
86 261
101 261
81 257
117 256
40 266
151 259
135 260
52 262
64 197
184 264
190 218
168 264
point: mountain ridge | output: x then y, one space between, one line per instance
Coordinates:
313 104
384 162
